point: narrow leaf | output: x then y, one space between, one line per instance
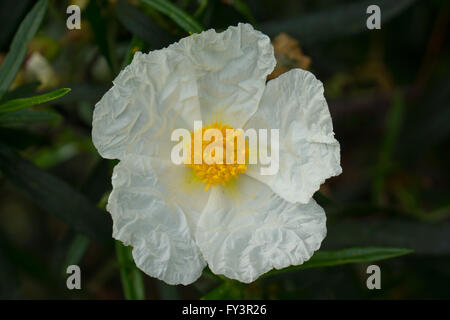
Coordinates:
95 186
180 17
423 238
23 91
83 92
25 117
101 35
12 14
76 251
132 282
55 196
339 257
201 8
333 23
22 103
140 25
227 290
18 49
243 9
394 120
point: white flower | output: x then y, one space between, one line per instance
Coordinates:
245 228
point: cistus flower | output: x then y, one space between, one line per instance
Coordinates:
250 223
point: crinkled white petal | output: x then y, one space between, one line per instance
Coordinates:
148 216
231 69
151 97
249 230
208 76
184 188
294 103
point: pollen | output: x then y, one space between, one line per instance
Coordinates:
223 156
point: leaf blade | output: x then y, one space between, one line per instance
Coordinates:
23 118
55 196
339 257
22 103
18 49
132 282
99 28
141 26
333 23
244 10
179 16
434 238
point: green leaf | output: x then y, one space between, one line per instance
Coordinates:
143 27
132 281
180 17
101 33
24 91
231 289
11 14
333 23
394 120
227 290
243 9
423 238
18 49
55 196
95 186
76 251
25 117
353 255
83 92
22 103
168 292
203 4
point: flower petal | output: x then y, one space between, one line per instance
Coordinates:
208 76
147 217
231 69
153 95
184 188
294 103
246 231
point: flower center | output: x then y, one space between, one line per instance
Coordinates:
222 156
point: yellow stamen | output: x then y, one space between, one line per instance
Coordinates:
214 173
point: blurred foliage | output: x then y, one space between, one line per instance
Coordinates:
388 92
